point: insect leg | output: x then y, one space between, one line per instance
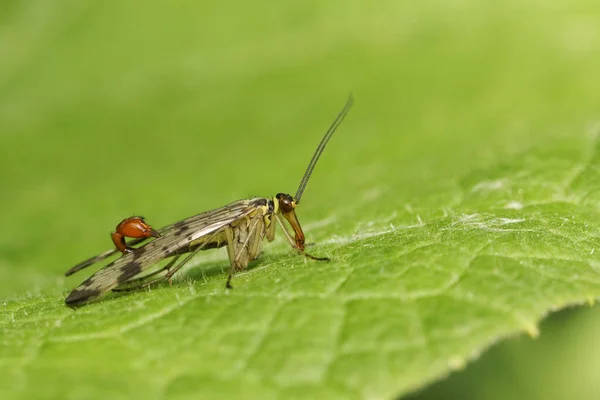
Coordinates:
293 242
231 253
270 233
243 245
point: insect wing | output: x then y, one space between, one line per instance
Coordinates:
175 238
198 220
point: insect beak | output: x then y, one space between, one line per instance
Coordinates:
154 233
293 220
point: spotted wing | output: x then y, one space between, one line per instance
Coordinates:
195 220
174 239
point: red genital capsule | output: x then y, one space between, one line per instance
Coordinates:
132 227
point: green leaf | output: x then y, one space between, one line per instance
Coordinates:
458 201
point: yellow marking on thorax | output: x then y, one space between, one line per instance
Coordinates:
267 218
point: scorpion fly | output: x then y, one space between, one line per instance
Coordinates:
241 226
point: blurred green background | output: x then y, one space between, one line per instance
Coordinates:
561 364
115 108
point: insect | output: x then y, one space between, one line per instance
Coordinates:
241 226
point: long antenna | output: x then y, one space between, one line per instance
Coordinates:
338 120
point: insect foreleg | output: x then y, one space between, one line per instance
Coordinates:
270 232
293 241
243 244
